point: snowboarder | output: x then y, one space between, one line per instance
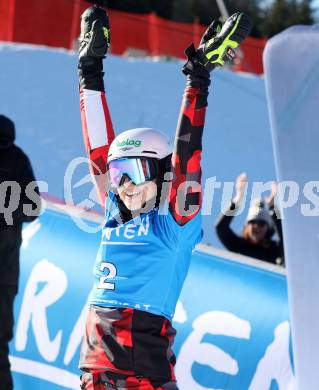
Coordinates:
152 220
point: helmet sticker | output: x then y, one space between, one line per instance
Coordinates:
129 142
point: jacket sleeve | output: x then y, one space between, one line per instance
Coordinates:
186 194
226 235
97 127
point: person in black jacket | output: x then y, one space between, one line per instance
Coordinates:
261 224
17 187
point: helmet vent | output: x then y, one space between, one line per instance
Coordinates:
149 151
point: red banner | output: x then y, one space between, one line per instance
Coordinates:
57 23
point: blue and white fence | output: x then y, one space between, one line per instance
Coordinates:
232 317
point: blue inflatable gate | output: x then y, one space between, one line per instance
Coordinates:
232 316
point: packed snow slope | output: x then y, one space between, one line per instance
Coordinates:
39 91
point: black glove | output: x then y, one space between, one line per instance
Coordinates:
94 40
218 44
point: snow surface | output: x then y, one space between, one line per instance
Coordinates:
39 91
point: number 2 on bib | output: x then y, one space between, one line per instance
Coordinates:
103 279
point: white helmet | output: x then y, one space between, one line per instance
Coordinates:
259 211
141 142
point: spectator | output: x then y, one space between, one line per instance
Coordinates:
261 224
14 167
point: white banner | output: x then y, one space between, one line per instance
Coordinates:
291 62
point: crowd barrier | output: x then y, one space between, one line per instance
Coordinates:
57 23
232 316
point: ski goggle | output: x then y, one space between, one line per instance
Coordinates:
136 170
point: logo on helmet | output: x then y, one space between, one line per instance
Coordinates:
129 142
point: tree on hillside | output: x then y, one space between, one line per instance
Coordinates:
279 14
163 8
189 10
285 13
253 9
141 6
306 14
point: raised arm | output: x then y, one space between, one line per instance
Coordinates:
216 47
224 232
97 125
185 195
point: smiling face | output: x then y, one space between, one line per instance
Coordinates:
136 197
